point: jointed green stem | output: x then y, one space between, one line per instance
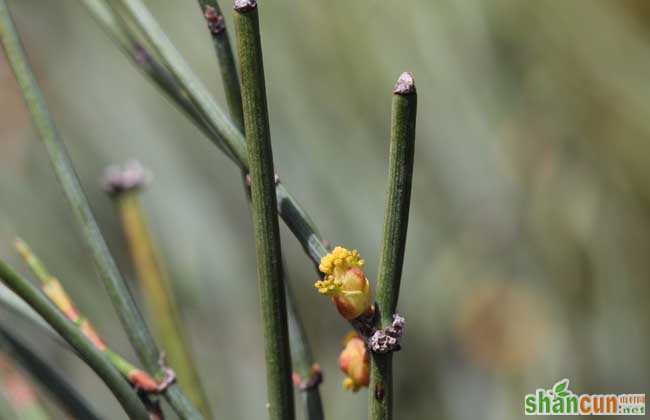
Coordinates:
265 217
125 306
301 356
96 360
398 200
52 382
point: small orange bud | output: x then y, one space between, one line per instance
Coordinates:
345 282
141 380
354 362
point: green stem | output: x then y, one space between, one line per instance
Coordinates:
160 300
69 399
125 306
303 361
70 333
264 211
229 77
396 215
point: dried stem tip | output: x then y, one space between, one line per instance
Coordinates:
120 179
216 22
242 6
405 84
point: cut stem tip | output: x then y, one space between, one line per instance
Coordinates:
405 84
242 6
120 179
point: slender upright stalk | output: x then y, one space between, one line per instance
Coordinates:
264 212
398 200
121 298
70 333
217 27
159 297
68 398
305 370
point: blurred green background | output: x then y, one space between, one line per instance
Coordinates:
528 251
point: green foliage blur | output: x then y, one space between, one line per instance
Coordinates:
528 252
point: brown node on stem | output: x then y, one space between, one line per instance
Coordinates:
405 84
216 22
242 6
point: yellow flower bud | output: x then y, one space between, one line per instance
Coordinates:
345 282
354 362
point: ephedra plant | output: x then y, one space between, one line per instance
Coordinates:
243 133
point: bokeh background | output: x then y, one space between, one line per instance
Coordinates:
528 250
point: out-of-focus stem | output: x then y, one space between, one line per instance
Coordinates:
398 201
307 373
264 212
86 350
159 297
6 411
51 381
